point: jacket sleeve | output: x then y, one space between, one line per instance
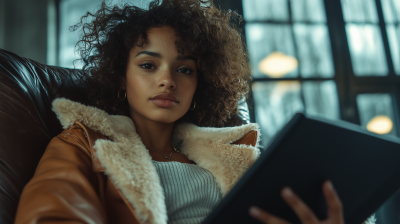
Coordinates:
62 189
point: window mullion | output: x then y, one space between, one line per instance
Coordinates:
341 60
296 54
385 38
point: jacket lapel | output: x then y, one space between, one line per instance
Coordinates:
212 150
127 162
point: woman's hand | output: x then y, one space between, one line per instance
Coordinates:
306 216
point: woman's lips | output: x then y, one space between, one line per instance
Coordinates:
164 100
164 103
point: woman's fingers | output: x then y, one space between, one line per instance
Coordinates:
265 217
300 208
335 212
305 214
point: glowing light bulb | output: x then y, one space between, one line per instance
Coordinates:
277 64
380 124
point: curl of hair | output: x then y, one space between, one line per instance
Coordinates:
210 33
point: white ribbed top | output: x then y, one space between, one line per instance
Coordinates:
191 192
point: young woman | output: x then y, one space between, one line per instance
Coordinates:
155 144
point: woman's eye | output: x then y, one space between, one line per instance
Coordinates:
185 70
147 66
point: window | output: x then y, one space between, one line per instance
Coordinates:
332 78
70 12
364 37
289 29
391 12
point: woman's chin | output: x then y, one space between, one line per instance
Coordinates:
165 118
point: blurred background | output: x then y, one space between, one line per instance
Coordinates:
337 59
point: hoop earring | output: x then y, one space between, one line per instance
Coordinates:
120 98
194 106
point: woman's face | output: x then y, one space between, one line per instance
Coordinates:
160 83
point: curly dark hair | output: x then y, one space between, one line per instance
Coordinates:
210 33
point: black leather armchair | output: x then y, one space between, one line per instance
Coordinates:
27 123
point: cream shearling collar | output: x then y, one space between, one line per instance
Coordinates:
128 163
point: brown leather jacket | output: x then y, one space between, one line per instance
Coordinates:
86 177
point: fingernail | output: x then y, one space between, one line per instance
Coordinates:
254 211
287 192
330 185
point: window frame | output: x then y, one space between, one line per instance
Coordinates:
347 83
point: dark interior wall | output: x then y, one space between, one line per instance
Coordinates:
23 28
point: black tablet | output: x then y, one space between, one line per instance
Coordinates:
364 168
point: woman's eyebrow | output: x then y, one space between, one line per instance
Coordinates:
153 54
157 55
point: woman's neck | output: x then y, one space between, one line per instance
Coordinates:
155 135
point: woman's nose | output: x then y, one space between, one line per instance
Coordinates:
167 80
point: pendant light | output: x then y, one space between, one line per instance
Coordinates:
380 125
277 64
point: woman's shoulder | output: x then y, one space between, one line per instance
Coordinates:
76 144
81 136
